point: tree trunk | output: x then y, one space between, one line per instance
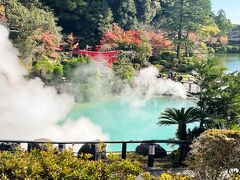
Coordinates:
179 36
183 136
186 46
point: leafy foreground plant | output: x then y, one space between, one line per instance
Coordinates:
52 165
216 155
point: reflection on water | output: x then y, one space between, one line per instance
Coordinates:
231 61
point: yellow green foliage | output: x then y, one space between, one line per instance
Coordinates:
165 176
53 165
216 153
211 30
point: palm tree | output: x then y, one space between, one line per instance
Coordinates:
181 117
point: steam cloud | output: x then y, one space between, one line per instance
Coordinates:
148 85
95 81
29 110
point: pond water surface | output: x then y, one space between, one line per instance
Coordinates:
123 121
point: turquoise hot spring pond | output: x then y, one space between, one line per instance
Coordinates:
123 121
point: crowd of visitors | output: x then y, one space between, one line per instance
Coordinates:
173 76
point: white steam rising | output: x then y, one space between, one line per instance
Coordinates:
148 85
95 81
29 110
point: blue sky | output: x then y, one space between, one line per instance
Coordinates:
231 7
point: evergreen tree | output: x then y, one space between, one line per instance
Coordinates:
87 19
28 21
147 10
183 17
97 19
223 23
218 95
127 14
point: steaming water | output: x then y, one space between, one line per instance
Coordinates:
29 110
123 121
132 119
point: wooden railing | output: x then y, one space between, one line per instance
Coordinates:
94 144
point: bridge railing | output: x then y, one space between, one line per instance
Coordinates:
95 146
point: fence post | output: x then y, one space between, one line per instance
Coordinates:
124 150
94 150
29 147
61 147
151 154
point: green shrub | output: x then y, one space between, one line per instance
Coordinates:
229 48
211 50
58 70
154 58
164 63
136 66
168 55
221 49
215 153
124 69
164 176
183 67
43 69
52 165
47 70
159 67
174 61
235 49
75 62
67 71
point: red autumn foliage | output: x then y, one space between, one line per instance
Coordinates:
194 38
117 38
48 40
47 44
54 55
158 40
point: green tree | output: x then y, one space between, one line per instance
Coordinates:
147 10
26 22
207 75
124 70
184 16
180 117
217 98
97 19
127 14
87 19
223 23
